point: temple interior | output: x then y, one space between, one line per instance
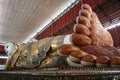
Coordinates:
34 32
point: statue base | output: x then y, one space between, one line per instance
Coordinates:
62 73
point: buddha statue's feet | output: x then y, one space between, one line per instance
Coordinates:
100 56
91 43
88 30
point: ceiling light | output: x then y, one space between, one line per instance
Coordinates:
110 27
4 57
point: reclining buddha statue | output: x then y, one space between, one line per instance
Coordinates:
89 45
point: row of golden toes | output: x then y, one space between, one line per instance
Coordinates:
93 45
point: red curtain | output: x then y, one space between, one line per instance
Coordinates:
115 32
2 61
1 48
66 19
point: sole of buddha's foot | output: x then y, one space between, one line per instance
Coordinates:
87 23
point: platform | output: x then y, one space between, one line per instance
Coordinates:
62 73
